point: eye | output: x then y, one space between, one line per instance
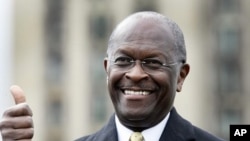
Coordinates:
152 63
123 61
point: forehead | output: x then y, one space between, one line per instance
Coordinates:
143 29
141 50
143 36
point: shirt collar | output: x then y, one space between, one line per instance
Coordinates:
150 134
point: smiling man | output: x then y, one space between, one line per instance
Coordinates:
145 66
144 69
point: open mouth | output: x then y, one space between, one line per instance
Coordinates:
136 92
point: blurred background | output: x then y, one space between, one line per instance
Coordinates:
54 50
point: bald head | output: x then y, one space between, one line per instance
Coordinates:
152 22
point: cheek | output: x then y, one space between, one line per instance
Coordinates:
166 94
114 77
167 84
164 80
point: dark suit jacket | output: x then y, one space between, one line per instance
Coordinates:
177 129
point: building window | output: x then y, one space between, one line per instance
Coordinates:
53 68
229 117
229 41
229 61
227 6
229 78
53 40
99 27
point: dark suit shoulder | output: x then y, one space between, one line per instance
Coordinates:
179 129
107 133
202 135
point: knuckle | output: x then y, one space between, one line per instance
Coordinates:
30 121
26 109
24 106
31 132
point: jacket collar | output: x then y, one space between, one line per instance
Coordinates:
177 128
108 132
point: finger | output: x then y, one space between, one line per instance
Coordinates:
17 122
17 134
21 109
18 94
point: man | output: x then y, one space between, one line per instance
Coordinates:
145 66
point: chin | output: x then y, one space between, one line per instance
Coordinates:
133 117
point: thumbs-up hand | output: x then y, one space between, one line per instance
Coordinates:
17 123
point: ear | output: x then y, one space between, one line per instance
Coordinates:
182 75
105 63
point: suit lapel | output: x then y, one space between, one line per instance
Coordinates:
177 129
108 132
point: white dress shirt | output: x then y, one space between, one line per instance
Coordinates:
150 134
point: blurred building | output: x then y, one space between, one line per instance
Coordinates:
59 46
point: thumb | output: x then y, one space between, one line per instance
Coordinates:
17 94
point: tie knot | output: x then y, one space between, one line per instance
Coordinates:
136 136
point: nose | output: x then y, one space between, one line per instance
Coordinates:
136 73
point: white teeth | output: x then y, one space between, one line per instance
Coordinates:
131 92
